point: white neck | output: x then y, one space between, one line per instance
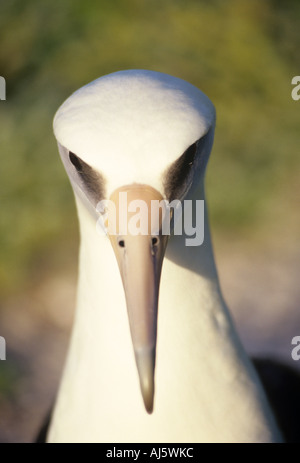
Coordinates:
206 388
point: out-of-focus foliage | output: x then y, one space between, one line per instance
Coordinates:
241 53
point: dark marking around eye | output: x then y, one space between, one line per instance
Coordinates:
178 176
75 161
92 182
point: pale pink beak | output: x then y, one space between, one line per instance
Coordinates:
140 258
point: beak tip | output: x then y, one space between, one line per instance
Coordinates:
145 360
148 397
149 407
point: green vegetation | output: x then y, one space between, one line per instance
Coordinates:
241 53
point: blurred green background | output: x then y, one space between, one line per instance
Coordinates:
241 53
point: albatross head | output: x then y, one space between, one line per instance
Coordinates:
147 135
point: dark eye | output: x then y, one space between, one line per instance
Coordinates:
190 153
121 243
154 241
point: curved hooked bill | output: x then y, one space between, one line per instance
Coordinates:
134 225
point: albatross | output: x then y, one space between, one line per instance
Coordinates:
154 355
